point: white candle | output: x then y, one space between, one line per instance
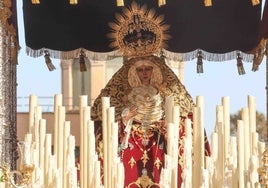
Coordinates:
245 118
71 151
71 169
214 146
66 134
175 149
42 133
37 118
176 115
252 118
105 106
33 104
91 153
255 140
61 111
83 103
28 137
233 150
115 140
226 124
52 165
170 138
219 164
219 114
2 184
261 149
97 181
200 129
241 152
120 174
198 144
253 170
169 103
48 140
86 118
58 179
110 121
187 169
57 103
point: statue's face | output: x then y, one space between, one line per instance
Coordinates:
144 72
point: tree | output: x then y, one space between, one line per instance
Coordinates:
261 126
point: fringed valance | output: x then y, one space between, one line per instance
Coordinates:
220 32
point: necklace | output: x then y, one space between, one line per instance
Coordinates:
145 158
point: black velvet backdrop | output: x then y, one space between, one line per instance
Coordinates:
226 26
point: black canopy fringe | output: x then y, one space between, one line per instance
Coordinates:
189 56
103 56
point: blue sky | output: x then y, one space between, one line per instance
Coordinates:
218 80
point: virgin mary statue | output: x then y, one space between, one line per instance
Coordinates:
138 91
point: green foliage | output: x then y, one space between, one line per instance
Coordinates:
261 125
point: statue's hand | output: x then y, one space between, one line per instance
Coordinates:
129 113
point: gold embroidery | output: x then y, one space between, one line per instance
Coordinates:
157 163
145 158
132 162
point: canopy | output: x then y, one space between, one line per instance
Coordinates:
220 31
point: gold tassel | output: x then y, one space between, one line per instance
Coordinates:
82 62
48 61
258 57
73 2
239 64
255 2
161 2
120 3
208 3
35 2
199 64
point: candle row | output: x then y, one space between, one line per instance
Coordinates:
231 163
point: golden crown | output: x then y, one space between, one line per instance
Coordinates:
138 31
